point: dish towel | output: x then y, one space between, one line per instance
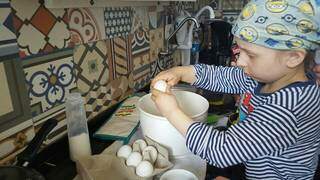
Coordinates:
123 123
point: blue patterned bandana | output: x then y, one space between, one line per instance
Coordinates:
280 24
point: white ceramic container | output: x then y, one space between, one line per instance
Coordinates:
158 128
178 174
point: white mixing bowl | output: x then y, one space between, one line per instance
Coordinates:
158 128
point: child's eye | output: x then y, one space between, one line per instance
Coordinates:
251 56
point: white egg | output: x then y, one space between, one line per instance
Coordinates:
134 159
144 169
160 85
150 154
139 145
124 151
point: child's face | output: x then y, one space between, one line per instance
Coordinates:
261 63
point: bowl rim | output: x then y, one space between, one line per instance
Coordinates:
175 171
163 118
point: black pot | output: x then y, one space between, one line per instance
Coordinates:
20 170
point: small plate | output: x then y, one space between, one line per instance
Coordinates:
178 174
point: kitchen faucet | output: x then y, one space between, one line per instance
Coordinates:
167 50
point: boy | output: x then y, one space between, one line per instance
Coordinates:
278 136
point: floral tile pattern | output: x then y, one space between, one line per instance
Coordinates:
91 65
117 21
8 40
49 80
86 25
52 33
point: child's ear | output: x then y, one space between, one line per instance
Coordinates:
295 58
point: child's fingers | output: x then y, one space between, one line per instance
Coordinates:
168 89
155 92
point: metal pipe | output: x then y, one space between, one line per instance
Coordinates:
167 51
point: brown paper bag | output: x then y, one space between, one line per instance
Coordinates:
108 166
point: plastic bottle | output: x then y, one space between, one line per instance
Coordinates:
78 134
195 49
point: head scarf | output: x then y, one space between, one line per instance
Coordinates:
280 24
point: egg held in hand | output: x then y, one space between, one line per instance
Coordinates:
160 85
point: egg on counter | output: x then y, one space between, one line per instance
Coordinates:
139 145
160 85
134 159
144 169
124 151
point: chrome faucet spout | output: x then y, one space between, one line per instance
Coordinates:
167 49
181 24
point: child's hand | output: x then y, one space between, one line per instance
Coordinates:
165 102
171 76
316 69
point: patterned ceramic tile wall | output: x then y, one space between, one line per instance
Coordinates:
100 99
91 65
140 44
51 34
49 80
140 21
8 40
162 64
117 21
120 54
120 83
86 25
156 42
105 53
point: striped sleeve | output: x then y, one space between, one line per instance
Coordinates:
269 129
230 80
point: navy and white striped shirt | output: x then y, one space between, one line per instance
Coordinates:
279 138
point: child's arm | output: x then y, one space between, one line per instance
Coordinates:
168 106
222 79
176 74
270 129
